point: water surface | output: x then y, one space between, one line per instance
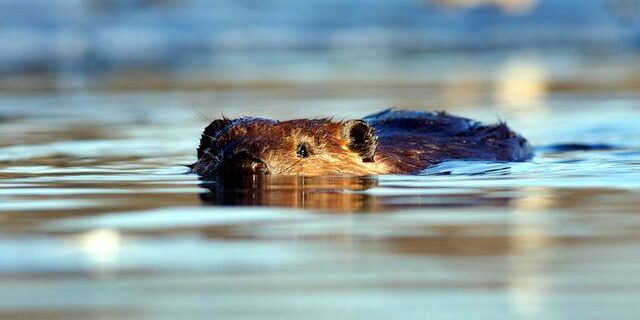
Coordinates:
98 219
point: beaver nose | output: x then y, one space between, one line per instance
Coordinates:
245 163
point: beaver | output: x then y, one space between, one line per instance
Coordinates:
388 142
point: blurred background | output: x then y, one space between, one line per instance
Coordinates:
465 45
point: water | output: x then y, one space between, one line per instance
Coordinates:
102 103
98 219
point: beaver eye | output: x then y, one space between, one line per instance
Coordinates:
304 151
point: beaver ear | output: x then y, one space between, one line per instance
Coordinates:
362 138
209 134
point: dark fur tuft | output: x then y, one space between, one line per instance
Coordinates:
210 133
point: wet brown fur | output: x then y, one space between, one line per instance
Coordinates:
401 142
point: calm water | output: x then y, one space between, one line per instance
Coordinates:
98 219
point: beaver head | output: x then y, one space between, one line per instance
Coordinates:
295 147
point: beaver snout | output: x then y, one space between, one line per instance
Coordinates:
244 163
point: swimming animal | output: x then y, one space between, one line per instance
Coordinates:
389 142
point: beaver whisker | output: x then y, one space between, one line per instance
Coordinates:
208 136
211 154
205 118
291 167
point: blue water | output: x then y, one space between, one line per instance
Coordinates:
100 221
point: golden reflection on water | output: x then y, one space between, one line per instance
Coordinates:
522 84
337 194
101 246
342 194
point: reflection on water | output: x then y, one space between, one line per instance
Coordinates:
346 194
522 84
98 219
342 194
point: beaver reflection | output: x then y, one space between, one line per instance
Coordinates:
342 194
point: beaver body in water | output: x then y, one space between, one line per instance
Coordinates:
389 142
